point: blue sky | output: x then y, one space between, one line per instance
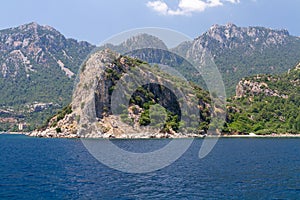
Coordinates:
96 20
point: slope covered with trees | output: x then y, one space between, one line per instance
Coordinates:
266 104
38 66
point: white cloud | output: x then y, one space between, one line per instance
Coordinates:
214 3
186 7
192 5
159 6
233 1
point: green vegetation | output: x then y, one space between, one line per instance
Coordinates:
262 114
160 106
233 66
58 130
56 118
61 114
165 57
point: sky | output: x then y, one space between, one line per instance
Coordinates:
96 20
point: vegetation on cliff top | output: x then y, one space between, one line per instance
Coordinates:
157 104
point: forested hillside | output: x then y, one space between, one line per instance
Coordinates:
266 104
38 66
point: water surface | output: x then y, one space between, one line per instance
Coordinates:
237 168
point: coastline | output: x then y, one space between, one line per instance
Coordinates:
178 136
14 133
262 136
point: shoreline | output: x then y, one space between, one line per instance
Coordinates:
176 137
262 136
14 133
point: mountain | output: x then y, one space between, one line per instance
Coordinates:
244 51
266 104
153 50
38 66
237 52
119 96
140 41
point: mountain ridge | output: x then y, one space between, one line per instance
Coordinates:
244 51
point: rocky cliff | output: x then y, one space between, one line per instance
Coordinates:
113 99
220 38
257 86
38 64
282 85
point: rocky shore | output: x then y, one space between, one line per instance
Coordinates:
111 127
147 135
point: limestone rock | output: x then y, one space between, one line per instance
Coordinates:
93 115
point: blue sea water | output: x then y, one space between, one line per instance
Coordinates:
237 168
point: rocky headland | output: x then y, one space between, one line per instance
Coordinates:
150 104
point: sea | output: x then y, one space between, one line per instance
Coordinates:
236 168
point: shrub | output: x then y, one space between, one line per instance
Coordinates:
58 130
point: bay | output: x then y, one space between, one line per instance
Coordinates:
237 168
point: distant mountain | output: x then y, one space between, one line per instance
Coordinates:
237 51
140 41
37 65
154 51
244 51
29 45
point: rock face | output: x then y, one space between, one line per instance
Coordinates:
229 37
113 99
281 86
256 87
31 54
29 46
44 63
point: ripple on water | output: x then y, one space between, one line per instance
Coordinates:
237 168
